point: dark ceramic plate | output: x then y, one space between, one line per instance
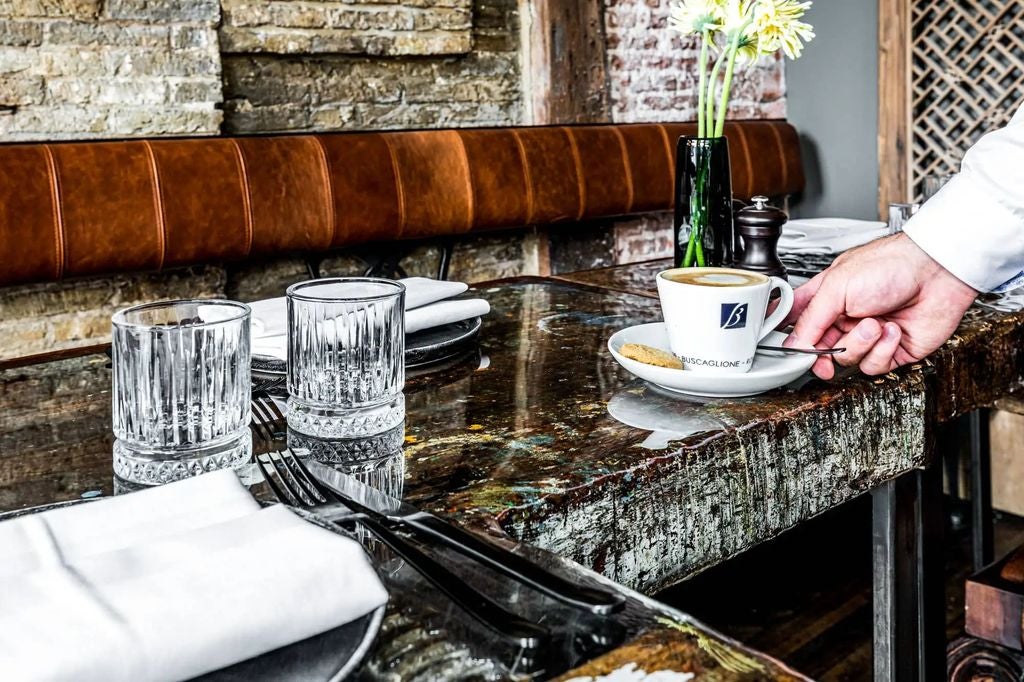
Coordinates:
421 349
328 657
441 343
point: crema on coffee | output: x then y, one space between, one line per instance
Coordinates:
706 277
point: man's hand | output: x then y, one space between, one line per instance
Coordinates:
888 303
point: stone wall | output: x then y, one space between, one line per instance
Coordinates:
327 65
108 68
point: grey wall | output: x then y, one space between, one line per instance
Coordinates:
832 99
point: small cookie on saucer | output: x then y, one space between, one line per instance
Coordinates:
650 356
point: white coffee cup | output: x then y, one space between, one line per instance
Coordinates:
716 316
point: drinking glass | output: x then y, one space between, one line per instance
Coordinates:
899 214
375 461
933 183
180 389
346 356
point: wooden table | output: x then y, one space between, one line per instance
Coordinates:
545 439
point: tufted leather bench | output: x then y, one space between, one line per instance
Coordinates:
84 208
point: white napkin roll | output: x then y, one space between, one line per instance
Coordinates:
828 236
421 291
185 603
270 316
445 312
426 306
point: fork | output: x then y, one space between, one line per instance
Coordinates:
429 528
295 487
265 413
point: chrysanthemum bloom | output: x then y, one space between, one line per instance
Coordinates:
696 16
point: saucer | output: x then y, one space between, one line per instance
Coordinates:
771 369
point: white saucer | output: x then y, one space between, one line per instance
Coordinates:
771 370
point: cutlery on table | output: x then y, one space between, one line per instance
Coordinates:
370 502
294 486
396 515
805 351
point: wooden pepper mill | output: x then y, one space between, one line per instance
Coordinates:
760 227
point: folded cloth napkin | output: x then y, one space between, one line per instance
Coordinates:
170 583
426 306
828 236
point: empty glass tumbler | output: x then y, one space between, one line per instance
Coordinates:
180 389
346 356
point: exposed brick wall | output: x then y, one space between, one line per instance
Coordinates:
466 72
92 68
652 73
385 28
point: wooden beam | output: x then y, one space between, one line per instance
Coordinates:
894 103
564 73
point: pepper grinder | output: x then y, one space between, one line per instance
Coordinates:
760 227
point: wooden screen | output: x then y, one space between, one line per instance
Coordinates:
950 71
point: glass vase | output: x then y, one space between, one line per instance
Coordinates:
703 227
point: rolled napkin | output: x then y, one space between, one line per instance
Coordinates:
445 312
426 307
219 584
828 236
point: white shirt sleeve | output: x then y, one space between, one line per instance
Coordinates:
974 226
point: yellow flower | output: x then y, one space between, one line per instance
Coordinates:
778 26
695 16
737 18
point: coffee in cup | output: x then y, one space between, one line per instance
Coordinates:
715 317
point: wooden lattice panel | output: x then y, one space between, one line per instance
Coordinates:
967 78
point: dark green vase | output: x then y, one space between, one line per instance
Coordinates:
703 203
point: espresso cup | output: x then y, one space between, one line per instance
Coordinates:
716 316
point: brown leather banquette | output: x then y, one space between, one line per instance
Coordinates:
82 208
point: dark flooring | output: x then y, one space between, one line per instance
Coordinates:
806 597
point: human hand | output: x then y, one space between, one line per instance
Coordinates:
888 303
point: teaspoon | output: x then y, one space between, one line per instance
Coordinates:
806 351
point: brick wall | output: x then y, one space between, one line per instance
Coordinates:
652 74
95 68
304 66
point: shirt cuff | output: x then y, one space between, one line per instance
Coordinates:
969 234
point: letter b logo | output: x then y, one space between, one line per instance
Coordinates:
734 315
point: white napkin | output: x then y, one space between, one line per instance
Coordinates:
426 306
445 312
171 583
828 236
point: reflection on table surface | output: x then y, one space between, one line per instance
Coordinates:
519 437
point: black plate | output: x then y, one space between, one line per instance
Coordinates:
421 349
328 657
441 343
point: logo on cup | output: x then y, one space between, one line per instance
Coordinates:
734 315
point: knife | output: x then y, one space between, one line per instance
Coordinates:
372 502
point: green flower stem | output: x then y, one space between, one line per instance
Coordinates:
702 88
712 81
690 250
723 104
698 211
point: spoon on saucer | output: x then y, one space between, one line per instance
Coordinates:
805 351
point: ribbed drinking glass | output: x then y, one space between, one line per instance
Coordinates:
346 356
181 383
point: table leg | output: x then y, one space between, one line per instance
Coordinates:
981 490
909 604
